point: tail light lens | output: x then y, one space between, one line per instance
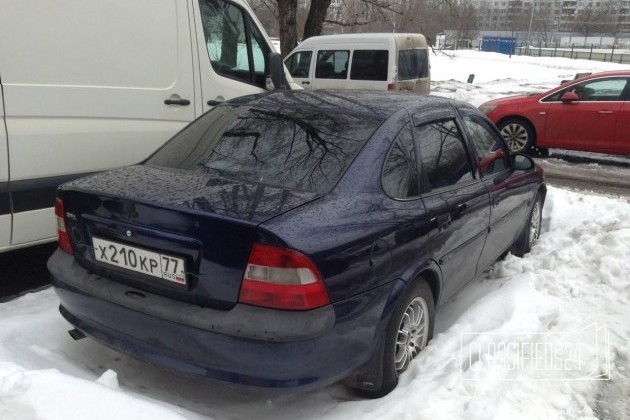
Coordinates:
283 279
62 231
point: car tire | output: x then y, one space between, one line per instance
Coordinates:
408 331
531 230
518 133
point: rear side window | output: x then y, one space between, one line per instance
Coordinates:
400 175
299 63
369 65
295 149
332 64
445 160
413 64
233 52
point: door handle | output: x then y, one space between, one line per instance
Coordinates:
214 102
604 112
441 221
306 82
182 102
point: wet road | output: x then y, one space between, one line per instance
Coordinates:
603 174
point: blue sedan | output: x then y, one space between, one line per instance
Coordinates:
294 239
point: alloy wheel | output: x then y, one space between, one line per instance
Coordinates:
412 333
515 136
534 223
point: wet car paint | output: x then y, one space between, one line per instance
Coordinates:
368 247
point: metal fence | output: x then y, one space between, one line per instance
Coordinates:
582 52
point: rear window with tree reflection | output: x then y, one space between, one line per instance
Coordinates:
304 150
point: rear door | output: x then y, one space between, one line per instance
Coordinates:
5 201
456 201
300 68
413 70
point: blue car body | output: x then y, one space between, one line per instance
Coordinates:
367 245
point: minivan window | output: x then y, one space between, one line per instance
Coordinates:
232 53
300 63
332 64
413 64
296 149
445 160
369 65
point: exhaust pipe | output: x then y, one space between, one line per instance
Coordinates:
76 334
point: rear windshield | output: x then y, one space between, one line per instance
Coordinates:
413 64
301 150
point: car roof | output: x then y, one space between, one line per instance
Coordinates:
375 104
601 74
609 73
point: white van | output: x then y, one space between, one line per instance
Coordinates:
88 85
362 61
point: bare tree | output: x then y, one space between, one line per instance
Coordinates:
590 20
466 16
362 13
543 21
613 25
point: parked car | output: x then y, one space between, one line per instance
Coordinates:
295 238
590 114
370 61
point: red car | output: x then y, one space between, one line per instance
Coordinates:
590 114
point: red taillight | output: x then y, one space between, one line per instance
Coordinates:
283 279
62 232
391 86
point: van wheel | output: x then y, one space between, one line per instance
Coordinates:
408 331
531 230
519 134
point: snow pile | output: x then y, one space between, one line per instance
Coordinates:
49 394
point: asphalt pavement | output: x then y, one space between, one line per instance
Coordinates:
24 270
590 172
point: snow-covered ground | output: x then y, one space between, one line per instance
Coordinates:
499 75
540 337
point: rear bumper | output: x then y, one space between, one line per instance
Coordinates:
245 345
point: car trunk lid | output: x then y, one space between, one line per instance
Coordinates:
179 233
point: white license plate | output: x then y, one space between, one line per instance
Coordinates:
154 264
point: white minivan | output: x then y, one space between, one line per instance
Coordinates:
370 61
88 85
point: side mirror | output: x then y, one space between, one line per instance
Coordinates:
275 73
569 97
522 162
